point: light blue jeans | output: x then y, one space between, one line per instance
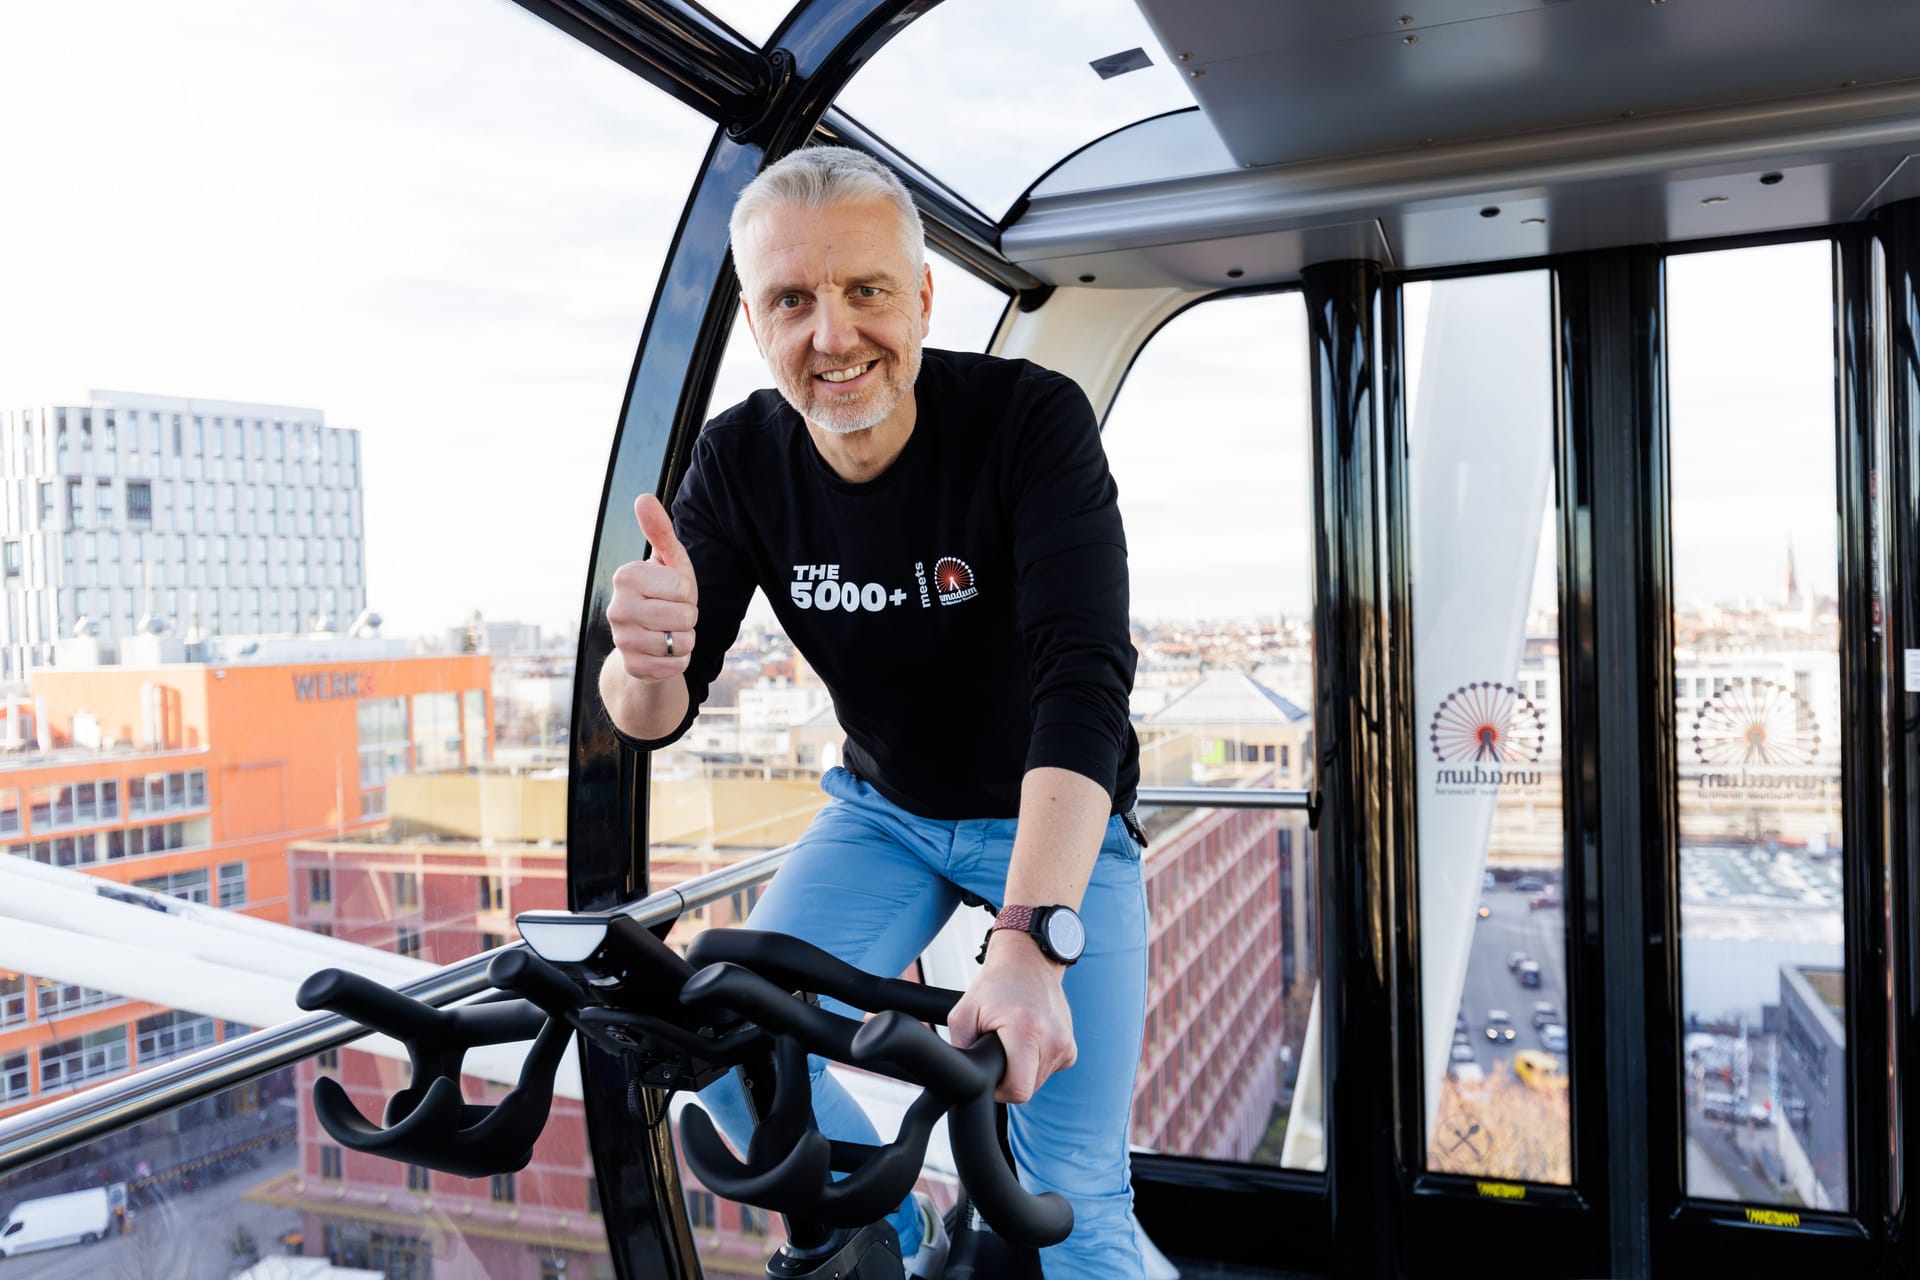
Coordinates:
872 884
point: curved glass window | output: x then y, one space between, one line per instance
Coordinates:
1221 567
1495 1035
290 647
1757 705
1017 87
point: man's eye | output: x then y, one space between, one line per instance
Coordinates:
787 301
867 291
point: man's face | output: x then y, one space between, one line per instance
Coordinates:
837 309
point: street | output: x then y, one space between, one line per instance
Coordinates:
1513 926
184 1236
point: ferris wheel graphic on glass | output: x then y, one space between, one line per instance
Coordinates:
1751 720
1488 722
740 998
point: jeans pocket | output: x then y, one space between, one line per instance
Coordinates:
1120 841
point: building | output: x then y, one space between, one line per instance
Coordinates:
461 855
1811 1119
1233 944
191 779
222 517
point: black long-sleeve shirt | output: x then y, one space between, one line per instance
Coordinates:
966 609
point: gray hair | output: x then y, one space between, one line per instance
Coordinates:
816 177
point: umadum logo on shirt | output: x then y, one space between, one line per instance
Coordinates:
953 577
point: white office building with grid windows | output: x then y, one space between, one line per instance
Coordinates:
131 513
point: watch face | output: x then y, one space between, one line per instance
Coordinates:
1065 934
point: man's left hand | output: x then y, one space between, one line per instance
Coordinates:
1018 995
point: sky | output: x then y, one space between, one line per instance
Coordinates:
441 223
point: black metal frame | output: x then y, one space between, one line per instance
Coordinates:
1356 774
1898 231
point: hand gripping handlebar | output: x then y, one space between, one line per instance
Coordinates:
755 973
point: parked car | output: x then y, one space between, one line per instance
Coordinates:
1514 960
1499 1026
78 1217
1528 973
1544 1011
1530 884
1467 1074
1539 1070
1544 901
1553 1036
1462 1052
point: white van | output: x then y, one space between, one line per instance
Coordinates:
78 1217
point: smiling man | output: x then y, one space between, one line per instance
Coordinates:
939 535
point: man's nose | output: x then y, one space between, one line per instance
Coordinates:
834 331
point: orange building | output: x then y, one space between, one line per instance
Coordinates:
191 779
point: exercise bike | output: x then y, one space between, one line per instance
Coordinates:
743 1000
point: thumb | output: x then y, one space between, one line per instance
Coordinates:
658 526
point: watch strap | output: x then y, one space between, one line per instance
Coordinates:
1020 919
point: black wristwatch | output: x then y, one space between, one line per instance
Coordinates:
1057 931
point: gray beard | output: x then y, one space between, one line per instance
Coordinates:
868 421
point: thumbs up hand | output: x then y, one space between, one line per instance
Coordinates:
656 601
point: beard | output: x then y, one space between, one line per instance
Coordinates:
845 417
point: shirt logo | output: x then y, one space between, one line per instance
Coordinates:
953 578
818 586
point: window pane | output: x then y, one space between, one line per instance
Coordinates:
1757 666
1027 102
428 257
1486 687
251 1175
1221 566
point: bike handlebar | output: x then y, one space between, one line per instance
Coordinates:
682 1031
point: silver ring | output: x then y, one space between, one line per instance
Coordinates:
669 644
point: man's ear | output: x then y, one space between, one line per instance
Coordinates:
746 309
926 299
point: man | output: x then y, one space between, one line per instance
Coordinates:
939 535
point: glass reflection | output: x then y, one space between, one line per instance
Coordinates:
1494 1033
1757 706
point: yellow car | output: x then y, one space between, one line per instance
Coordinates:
1539 1070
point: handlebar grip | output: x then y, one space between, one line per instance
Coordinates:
526 974
732 987
966 1079
801 966
403 1018
927 1060
786 1186
1012 1210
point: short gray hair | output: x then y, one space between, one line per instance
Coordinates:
816 177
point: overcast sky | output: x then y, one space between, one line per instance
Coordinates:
441 222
